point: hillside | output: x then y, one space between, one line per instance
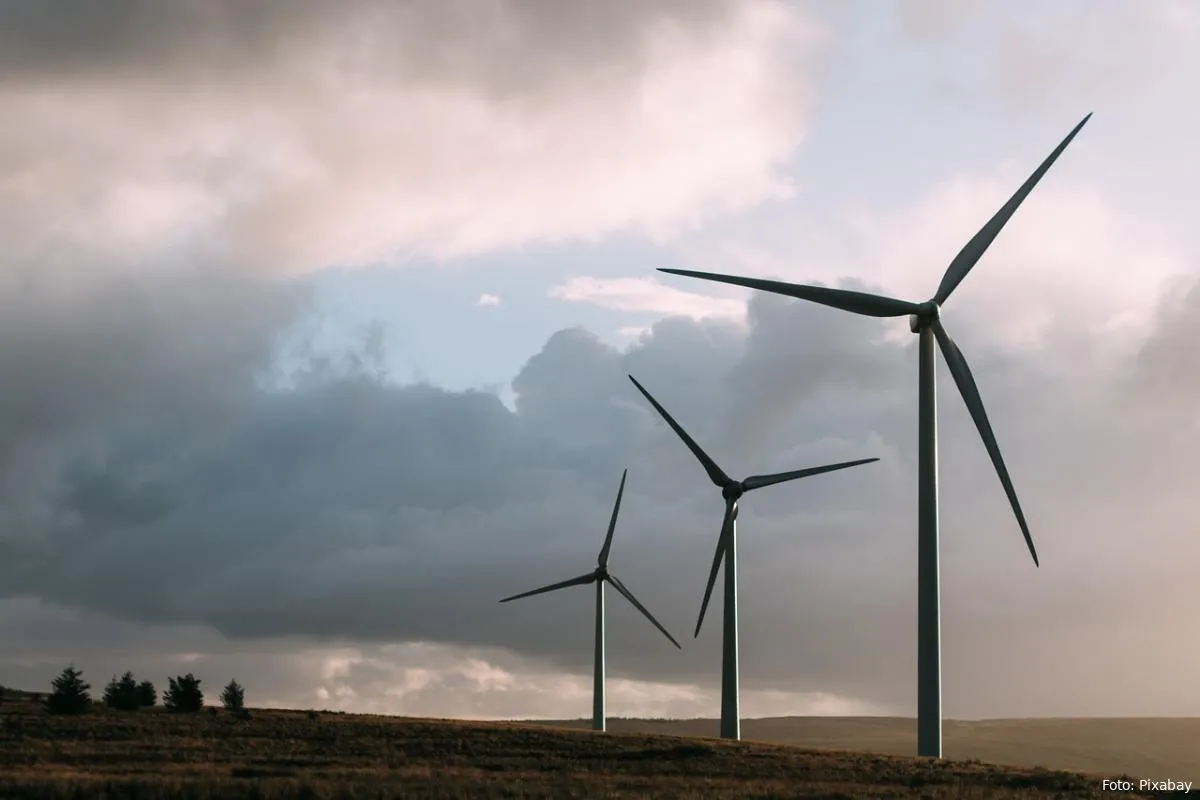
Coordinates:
1154 748
278 754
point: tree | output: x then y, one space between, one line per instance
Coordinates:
147 695
184 694
71 695
122 694
234 697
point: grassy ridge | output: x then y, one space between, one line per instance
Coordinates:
277 754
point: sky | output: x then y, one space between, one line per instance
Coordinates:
316 324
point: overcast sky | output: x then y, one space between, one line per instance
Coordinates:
315 321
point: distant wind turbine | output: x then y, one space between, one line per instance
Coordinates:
598 576
732 491
924 320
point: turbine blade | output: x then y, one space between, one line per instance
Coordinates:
871 305
582 580
620 587
714 472
722 540
759 481
970 394
612 523
974 249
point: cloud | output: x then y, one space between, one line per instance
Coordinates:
292 136
927 20
487 300
348 511
185 478
450 681
92 361
1032 54
1057 273
646 295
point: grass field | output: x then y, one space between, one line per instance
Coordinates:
1147 748
149 754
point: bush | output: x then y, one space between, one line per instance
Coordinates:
147 695
122 694
184 694
234 697
71 695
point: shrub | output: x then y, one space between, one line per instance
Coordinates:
184 694
233 697
146 694
123 693
71 695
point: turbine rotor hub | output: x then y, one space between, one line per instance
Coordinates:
733 491
929 311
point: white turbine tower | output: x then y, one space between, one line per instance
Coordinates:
598 576
924 320
732 491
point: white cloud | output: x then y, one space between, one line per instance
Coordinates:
486 299
435 680
416 678
1073 262
633 332
327 148
647 295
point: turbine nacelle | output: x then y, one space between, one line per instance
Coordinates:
733 491
927 313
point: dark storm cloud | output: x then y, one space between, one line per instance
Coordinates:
89 362
350 507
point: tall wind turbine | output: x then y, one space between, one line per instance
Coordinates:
732 491
598 576
924 320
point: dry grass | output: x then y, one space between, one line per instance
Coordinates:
276 754
1153 748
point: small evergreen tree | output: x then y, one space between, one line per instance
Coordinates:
71 695
147 695
234 697
123 693
184 694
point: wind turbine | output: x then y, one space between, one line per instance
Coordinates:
598 576
924 320
732 491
